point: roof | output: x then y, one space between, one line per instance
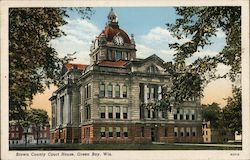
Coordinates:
76 66
111 30
108 63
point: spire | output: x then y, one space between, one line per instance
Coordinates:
112 17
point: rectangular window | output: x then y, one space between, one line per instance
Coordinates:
102 111
110 90
154 114
194 131
188 132
118 55
175 131
193 117
124 91
110 132
163 114
166 132
125 112
118 131
103 132
182 132
110 111
181 117
45 135
125 55
109 54
175 116
117 112
142 131
125 131
187 117
88 91
117 91
148 110
102 90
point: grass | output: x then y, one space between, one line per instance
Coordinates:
120 147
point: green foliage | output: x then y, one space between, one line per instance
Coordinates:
212 113
199 24
232 112
33 63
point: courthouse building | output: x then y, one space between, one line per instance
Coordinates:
102 102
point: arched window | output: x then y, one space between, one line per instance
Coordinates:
152 69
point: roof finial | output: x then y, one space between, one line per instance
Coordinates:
112 17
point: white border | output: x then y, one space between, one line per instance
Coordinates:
168 154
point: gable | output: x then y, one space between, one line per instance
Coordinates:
151 65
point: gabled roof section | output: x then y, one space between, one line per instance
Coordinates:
153 57
108 63
75 66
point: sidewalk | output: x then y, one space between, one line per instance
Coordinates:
212 145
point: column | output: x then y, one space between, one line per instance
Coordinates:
121 90
58 106
145 94
159 92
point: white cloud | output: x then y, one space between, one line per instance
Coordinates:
80 33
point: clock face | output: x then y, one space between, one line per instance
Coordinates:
118 40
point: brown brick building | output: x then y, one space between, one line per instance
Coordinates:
17 134
101 102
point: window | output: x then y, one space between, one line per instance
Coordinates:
194 131
102 111
175 116
118 131
124 91
181 117
87 112
142 131
166 132
193 117
103 132
163 114
187 116
175 131
41 135
125 55
125 112
88 92
45 135
110 111
154 113
152 69
110 132
188 132
148 110
125 131
117 90
110 90
182 132
102 90
117 112
16 128
118 55
12 135
109 54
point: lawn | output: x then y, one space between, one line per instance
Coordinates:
120 147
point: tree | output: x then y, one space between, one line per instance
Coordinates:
212 113
33 63
232 112
39 118
199 24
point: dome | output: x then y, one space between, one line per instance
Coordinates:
111 30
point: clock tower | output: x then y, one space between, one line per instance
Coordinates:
113 43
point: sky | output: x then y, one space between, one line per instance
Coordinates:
148 25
